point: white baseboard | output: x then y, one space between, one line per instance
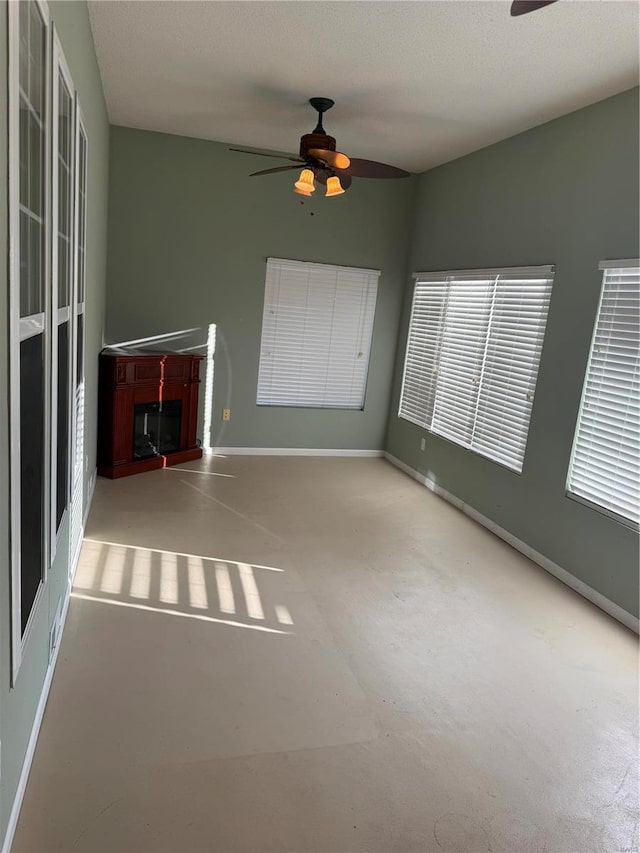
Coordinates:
33 738
42 703
288 451
595 597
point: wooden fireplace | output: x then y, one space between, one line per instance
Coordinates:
147 411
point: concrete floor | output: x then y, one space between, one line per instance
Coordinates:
290 654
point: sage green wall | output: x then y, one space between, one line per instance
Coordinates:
189 234
564 193
18 705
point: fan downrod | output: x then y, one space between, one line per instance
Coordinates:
321 105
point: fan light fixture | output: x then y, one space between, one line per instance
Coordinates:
304 185
318 157
334 187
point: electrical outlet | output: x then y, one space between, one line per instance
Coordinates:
422 444
226 414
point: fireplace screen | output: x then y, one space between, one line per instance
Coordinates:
156 428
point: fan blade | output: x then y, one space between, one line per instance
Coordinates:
264 154
335 159
522 7
372 169
271 171
323 174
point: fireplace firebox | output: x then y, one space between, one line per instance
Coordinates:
148 408
156 428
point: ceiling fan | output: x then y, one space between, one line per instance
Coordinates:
320 160
522 7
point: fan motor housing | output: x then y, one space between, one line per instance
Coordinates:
316 140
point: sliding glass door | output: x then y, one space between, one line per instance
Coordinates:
47 248
29 305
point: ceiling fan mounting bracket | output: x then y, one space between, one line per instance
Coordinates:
321 104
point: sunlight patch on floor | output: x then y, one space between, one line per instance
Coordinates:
141 575
167 612
186 584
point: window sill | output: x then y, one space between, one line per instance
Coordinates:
614 516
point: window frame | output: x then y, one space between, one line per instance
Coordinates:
21 329
78 309
603 266
60 69
540 270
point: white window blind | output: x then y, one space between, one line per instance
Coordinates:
473 351
605 466
316 335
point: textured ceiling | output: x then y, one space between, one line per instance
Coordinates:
415 83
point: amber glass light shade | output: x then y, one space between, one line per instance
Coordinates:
334 187
304 185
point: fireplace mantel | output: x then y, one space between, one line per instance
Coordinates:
148 410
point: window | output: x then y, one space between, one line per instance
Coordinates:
79 312
29 311
63 248
605 464
316 335
473 350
